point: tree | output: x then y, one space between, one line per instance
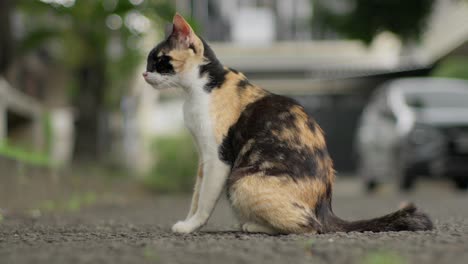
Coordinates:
95 40
364 19
6 40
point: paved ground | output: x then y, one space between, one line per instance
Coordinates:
130 227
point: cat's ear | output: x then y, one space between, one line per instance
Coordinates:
182 31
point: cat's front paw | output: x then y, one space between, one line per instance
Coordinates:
183 227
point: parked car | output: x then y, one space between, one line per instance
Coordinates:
413 127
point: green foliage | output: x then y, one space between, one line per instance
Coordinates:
364 19
176 164
383 258
48 132
73 204
454 67
24 155
82 38
96 44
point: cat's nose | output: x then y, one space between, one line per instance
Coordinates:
145 74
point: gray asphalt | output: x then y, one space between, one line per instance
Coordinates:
129 228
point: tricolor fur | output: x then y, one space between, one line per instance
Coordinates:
264 148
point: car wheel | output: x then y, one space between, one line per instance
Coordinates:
461 183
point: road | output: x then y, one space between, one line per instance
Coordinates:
129 228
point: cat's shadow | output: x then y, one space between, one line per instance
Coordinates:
231 233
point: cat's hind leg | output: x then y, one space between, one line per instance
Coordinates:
276 202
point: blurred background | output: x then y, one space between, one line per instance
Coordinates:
74 109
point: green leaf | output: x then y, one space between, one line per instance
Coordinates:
37 38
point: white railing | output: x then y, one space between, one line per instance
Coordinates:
14 101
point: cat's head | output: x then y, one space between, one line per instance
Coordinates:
176 61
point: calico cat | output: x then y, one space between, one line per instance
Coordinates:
269 154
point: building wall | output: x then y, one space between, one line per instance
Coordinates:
219 18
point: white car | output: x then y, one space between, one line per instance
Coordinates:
413 127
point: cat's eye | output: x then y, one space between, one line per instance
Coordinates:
159 59
162 64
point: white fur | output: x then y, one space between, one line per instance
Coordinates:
162 81
198 120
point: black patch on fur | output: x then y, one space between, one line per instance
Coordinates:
213 68
328 193
312 125
243 83
258 122
298 206
160 64
405 219
322 153
234 71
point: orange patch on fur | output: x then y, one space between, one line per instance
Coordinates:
300 135
277 202
183 59
250 94
306 135
200 171
228 102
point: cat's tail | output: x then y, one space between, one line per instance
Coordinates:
407 218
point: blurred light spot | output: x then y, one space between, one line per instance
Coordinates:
340 7
114 21
136 2
137 22
65 3
134 43
109 5
114 48
68 3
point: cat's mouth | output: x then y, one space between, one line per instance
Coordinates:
146 76
148 79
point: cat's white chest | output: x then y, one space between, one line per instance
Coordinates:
197 119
